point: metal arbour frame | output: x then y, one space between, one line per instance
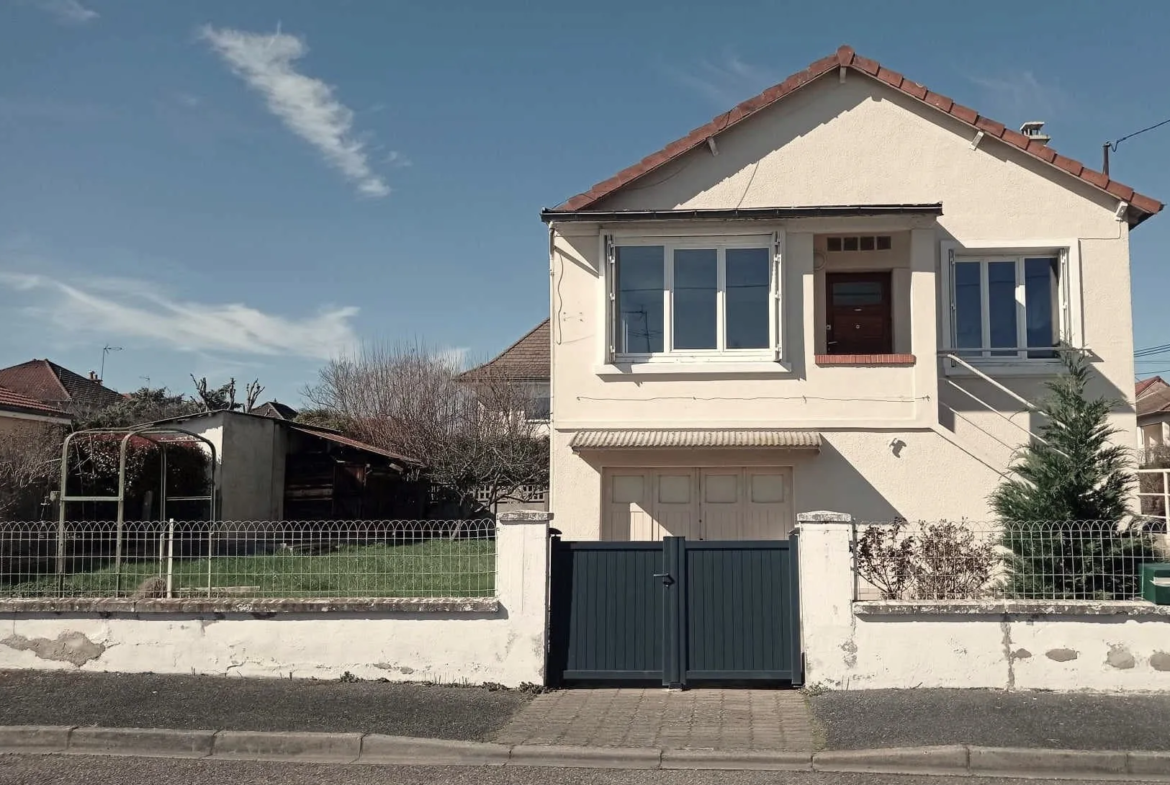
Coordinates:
146 432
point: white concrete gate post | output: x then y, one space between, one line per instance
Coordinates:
826 596
522 582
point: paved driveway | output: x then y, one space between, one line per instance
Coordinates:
695 719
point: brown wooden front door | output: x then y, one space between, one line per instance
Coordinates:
859 313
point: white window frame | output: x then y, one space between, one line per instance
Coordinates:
1068 307
771 353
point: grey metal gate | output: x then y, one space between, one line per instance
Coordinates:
675 612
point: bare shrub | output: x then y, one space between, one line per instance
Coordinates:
942 561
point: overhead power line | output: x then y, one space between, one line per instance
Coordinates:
1114 144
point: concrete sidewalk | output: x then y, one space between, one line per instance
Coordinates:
866 719
144 700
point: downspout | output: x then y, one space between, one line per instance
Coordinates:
554 337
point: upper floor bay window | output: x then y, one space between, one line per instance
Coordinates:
1009 307
675 299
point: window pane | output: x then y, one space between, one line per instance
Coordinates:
968 307
696 284
1039 303
640 312
1001 305
674 488
721 489
748 293
858 293
767 488
627 489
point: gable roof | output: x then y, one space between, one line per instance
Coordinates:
276 410
1146 385
1141 207
1156 401
52 384
12 401
529 359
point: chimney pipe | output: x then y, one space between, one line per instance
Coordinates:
1034 129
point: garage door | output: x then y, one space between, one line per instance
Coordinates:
737 503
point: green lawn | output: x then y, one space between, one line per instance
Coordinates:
435 568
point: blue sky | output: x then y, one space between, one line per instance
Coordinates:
244 188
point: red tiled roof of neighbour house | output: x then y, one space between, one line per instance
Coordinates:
529 359
1153 403
1145 384
12 401
1141 206
55 385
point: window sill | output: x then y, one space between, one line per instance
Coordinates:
627 369
868 360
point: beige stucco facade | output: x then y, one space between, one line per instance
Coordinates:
926 440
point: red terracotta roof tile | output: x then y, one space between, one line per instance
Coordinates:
529 359
1146 384
1143 206
59 387
1016 138
967 115
11 400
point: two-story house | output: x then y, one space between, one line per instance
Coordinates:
833 296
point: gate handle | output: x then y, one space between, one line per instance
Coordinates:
667 580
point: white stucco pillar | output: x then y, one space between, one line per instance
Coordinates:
522 570
924 305
826 597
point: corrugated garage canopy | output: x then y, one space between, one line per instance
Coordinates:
719 439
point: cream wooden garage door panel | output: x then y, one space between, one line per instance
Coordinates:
753 503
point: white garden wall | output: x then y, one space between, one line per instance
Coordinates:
498 640
1106 646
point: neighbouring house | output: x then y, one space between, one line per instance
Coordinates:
831 297
21 414
59 387
276 409
1152 397
527 365
30 433
273 469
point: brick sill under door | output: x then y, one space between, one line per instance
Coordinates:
864 359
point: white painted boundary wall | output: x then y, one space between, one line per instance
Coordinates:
1117 647
473 640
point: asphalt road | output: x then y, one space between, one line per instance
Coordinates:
83 770
865 719
232 703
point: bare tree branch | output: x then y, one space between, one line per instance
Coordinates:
469 430
252 394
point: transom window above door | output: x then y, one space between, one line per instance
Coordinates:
679 298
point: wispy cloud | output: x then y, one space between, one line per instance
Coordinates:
305 105
137 310
1020 95
724 82
67 12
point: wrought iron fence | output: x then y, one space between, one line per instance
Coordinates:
1035 560
249 560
